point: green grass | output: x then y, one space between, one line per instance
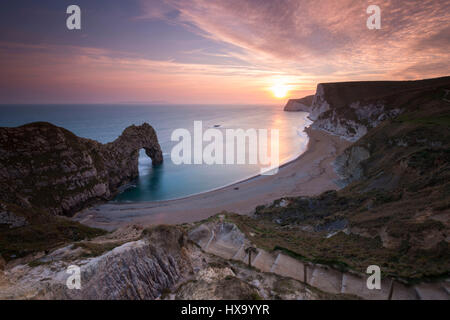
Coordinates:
19 242
345 252
442 120
92 249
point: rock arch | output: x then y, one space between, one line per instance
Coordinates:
48 167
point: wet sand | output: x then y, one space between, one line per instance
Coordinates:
309 174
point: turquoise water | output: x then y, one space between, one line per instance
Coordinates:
105 123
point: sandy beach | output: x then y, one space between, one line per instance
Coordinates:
309 174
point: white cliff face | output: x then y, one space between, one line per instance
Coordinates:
350 111
346 129
373 113
352 125
319 104
296 106
351 122
303 104
334 111
356 121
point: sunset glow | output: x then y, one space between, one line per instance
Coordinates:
168 150
209 51
280 91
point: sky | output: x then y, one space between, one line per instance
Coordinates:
212 51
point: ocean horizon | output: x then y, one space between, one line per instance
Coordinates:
104 123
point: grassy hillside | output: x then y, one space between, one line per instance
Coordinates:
41 232
396 215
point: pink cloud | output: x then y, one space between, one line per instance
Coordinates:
316 37
298 43
57 74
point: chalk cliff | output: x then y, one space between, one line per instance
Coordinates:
376 126
47 167
303 104
350 109
394 177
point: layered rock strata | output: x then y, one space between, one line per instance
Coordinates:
47 167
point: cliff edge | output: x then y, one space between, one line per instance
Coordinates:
303 104
351 109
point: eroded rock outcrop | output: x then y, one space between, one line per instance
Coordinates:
303 104
160 263
140 269
350 109
413 99
47 167
348 164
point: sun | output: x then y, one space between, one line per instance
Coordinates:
280 90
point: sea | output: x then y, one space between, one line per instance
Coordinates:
105 123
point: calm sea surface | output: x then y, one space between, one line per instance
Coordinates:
105 123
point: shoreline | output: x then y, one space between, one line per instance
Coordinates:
309 174
214 189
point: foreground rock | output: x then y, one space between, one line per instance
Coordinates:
158 263
139 269
226 240
203 261
47 167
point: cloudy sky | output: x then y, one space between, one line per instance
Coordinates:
212 51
